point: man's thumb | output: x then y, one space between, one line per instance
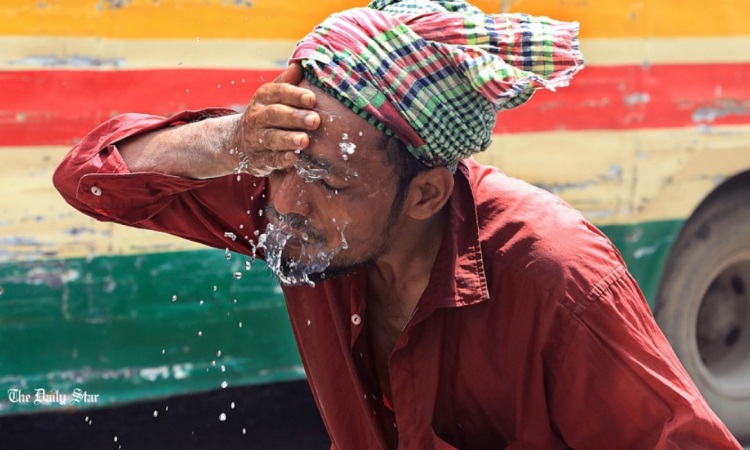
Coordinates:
292 75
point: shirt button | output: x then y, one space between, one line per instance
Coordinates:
96 190
356 319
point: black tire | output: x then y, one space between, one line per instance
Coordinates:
703 305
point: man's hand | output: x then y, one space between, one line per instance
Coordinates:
275 124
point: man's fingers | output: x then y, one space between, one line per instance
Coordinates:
288 118
283 140
287 94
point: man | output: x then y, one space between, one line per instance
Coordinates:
436 303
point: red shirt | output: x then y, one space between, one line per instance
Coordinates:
531 333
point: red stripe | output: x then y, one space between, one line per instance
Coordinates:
57 107
633 97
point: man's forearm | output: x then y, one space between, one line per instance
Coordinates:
197 150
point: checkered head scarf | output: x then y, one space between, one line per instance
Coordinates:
435 73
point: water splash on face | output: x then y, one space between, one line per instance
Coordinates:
313 256
347 148
308 173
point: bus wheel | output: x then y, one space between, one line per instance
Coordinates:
703 305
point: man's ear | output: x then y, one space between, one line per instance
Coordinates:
428 193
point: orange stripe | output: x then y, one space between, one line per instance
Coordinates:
276 19
657 18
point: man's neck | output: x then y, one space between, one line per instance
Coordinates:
401 274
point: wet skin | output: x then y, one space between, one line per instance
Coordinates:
340 200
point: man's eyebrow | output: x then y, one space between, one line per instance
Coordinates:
323 164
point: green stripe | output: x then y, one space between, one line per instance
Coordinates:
101 325
104 330
645 248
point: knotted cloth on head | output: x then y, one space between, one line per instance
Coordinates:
435 73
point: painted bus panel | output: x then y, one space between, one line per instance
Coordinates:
657 120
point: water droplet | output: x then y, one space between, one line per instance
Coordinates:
200 303
174 298
260 212
187 91
232 405
166 408
237 275
232 81
200 333
2 291
224 384
164 351
239 177
347 148
227 254
222 417
223 368
309 322
248 265
156 413
360 133
242 226
218 86
244 431
86 419
115 438
215 288
239 324
230 235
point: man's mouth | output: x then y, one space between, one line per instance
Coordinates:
292 254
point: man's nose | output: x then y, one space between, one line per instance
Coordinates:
288 193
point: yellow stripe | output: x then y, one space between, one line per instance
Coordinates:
613 177
26 52
621 177
690 50
38 224
276 19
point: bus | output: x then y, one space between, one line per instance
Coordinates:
651 142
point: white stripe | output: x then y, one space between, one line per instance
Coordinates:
614 177
24 53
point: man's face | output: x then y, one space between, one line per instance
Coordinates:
333 211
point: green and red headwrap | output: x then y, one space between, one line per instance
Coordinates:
435 73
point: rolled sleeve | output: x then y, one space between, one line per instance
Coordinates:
94 178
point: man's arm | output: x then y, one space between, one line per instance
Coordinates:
258 141
167 174
620 385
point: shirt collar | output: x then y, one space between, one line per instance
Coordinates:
458 275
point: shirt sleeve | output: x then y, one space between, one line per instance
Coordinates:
94 179
620 385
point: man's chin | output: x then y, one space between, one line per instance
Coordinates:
296 278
